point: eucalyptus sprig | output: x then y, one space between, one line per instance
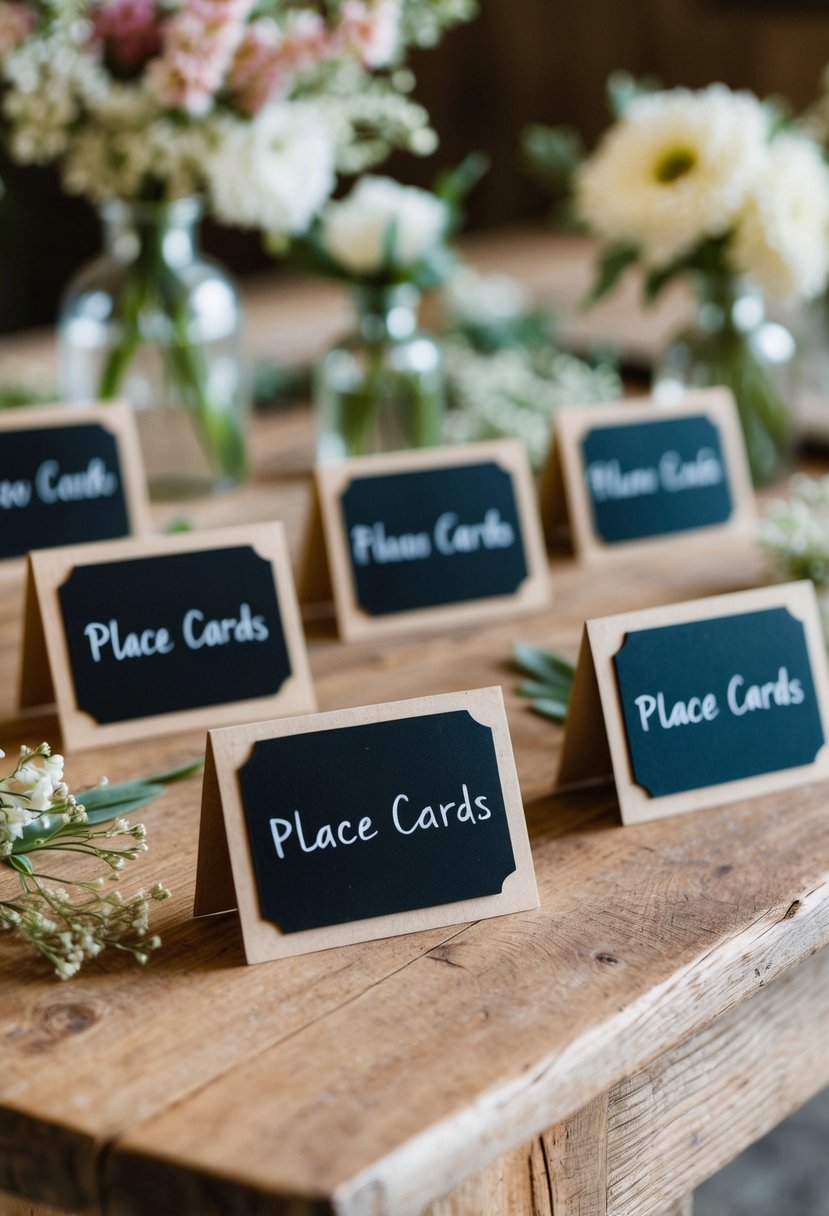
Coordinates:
38 815
552 680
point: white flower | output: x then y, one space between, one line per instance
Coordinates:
355 231
675 169
274 172
36 782
782 241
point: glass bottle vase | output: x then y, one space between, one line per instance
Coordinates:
383 388
154 322
732 343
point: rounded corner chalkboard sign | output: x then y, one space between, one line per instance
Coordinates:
704 702
365 823
661 477
159 635
68 476
181 630
422 537
631 473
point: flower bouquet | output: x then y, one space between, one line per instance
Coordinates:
156 108
714 185
38 815
383 389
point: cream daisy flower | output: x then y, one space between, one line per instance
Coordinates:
782 240
675 169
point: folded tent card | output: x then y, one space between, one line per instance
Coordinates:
703 703
420 539
363 823
633 473
138 637
69 476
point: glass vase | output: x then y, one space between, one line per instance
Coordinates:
383 389
732 343
156 323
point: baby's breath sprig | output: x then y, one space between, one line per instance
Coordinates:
39 814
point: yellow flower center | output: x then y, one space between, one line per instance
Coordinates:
675 163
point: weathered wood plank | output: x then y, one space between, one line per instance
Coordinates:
517 1184
679 1121
577 1154
533 1015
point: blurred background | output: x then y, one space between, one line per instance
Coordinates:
520 62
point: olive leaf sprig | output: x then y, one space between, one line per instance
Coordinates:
39 815
551 683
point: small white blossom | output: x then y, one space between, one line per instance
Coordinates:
355 232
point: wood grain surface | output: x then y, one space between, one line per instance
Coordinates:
378 1078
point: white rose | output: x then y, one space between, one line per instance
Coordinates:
782 240
274 172
355 231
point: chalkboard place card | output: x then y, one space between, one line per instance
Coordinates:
141 637
634 473
702 703
422 539
68 476
363 823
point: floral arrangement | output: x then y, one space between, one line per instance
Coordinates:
39 814
711 180
254 104
385 233
384 387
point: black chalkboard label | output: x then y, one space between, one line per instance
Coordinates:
60 485
383 817
430 537
719 700
157 635
655 478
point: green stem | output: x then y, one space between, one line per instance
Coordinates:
152 284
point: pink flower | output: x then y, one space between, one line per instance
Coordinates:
198 46
16 21
259 71
307 41
129 29
370 29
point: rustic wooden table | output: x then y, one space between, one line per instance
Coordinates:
604 1054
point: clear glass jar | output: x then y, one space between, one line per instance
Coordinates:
155 322
733 343
383 389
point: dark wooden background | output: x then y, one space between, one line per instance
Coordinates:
522 61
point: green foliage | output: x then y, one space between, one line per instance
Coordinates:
552 155
623 88
551 683
614 261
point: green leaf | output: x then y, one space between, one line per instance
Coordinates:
545 664
104 802
553 155
623 88
544 690
453 186
613 263
21 863
557 710
657 280
177 774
